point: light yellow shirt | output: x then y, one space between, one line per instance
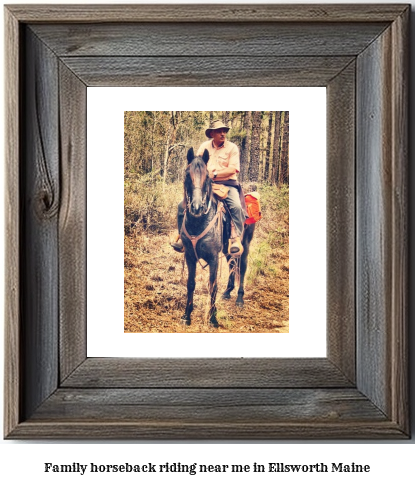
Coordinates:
224 160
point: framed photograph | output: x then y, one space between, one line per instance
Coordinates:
144 160
54 387
239 261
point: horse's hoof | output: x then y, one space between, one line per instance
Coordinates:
226 296
214 321
240 303
185 320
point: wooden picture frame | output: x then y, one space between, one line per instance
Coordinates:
360 53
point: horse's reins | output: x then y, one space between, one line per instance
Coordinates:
194 239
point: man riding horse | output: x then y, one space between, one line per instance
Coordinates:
223 166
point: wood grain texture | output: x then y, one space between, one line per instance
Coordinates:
372 430
40 205
341 238
382 223
12 383
203 71
373 222
400 263
205 13
206 373
209 39
210 431
148 429
72 222
209 405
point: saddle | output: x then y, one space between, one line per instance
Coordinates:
253 206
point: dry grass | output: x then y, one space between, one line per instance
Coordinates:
155 277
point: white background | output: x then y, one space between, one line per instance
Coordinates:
105 222
21 463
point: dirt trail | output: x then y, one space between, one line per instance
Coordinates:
155 291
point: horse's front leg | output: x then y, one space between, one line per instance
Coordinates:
213 289
191 285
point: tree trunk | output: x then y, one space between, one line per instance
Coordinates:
153 130
276 150
171 139
166 154
246 146
284 150
255 146
226 117
211 118
268 152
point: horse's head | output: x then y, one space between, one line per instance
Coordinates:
197 184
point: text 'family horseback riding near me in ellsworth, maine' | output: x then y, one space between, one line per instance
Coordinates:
196 468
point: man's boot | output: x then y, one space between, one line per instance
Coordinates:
235 247
177 245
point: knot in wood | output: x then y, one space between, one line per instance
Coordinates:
46 206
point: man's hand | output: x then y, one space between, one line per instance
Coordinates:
223 173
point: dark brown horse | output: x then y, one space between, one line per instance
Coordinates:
202 237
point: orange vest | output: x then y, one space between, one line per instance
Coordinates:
253 207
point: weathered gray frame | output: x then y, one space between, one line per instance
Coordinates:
359 52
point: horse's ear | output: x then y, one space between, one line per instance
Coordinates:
205 156
190 155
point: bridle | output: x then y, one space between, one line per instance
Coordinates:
189 201
194 239
205 210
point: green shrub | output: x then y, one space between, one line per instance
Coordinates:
261 261
271 233
149 204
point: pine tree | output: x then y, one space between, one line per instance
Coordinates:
276 150
255 146
268 151
284 150
246 146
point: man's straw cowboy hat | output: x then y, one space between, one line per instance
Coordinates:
216 124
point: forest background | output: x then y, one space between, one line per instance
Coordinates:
155 148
